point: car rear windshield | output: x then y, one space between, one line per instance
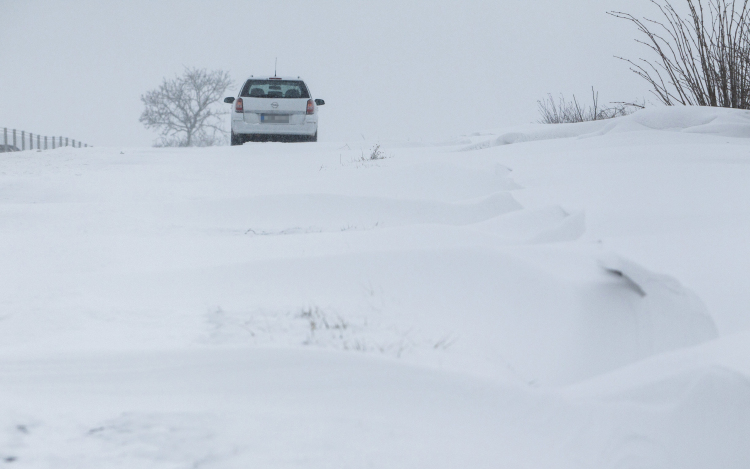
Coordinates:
277 89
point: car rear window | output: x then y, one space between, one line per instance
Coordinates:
276 89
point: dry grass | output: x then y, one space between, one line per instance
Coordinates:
563 111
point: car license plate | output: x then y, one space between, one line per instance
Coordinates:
274 118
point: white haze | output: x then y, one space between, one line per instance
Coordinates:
389 70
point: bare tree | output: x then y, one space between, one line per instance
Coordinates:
702 59
564 111
184 108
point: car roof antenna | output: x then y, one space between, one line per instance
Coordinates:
274 66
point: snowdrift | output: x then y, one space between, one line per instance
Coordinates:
577 301
712 121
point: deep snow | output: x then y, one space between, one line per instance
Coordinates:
566 296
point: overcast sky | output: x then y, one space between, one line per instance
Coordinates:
389 69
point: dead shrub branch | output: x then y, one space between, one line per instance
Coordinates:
703 57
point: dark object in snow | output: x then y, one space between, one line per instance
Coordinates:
8 148
629 281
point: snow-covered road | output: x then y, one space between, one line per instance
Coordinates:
547 296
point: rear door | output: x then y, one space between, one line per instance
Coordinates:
275 101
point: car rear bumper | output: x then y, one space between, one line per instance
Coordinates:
306 128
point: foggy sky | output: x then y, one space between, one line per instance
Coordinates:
389 70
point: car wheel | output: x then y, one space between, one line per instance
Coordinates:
235 139
314 138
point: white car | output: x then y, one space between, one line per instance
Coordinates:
274 109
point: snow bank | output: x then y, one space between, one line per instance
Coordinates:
690 119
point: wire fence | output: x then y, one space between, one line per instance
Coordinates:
17 140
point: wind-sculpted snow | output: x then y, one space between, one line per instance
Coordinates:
713 121
670 305
578 301
309 213
545 225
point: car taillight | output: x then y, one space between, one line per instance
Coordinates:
310 107
238 106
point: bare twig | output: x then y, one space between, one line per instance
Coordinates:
702 59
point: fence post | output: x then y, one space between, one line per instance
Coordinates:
5 137
66 141
60 142
31 141
74 143
38 141
45 142
23 140
14 138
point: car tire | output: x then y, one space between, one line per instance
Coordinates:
314 138
236 139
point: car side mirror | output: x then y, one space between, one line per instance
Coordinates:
319 102
229 100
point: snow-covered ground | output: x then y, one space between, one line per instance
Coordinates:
571 296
